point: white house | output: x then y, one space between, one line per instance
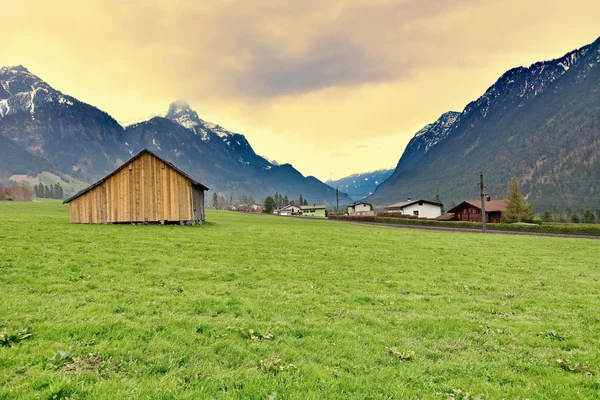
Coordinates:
417 208
360 208
289 210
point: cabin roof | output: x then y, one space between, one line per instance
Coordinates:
446 217
490 205
138 155
403 204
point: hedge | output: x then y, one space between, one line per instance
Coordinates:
358 218
568 229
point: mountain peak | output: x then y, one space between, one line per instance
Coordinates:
181 112
20 68
178 107
14 69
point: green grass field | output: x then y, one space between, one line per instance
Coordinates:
333 310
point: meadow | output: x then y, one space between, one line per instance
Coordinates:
264 307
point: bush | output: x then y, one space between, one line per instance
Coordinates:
358 218
570 229
396 215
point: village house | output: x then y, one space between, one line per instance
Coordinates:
145 189
470 210
255 208
290 210
360 208
315 210
417 208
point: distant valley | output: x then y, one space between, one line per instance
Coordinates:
361 185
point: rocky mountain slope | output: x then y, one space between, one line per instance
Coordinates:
359 186
53 132
228 161
76 137
539 123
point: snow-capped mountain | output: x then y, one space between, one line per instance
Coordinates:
361 185
540 123
57 133
228 161
426 138
76 137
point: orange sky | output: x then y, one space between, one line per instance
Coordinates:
332 87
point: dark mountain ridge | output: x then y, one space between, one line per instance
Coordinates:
539 123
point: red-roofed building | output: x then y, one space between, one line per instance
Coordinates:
470 210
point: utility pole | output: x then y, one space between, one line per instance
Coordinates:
337 201
482 187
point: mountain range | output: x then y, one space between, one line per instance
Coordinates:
539 123
44 130
361 185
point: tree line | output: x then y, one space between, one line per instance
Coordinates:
49 192
276 201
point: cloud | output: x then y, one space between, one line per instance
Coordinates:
331 60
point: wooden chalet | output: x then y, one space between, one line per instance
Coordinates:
145 189
470 210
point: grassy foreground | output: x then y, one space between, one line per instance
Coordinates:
333 310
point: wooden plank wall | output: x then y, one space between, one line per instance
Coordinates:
146 190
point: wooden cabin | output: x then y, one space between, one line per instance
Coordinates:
145 189
470 210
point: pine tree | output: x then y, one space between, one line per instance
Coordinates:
215 201
286 201
305 202
269 205
589 217
547 216
516 209
47 192
57 191
439 200
301 199
276 199
575 218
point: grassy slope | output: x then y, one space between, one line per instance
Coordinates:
160 309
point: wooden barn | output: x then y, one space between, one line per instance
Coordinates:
145 189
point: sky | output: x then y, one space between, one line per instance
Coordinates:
333 87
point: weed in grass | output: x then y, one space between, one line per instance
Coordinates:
552 335
8 337
274 365
577 368
257 336
458 394
60 359
400 354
